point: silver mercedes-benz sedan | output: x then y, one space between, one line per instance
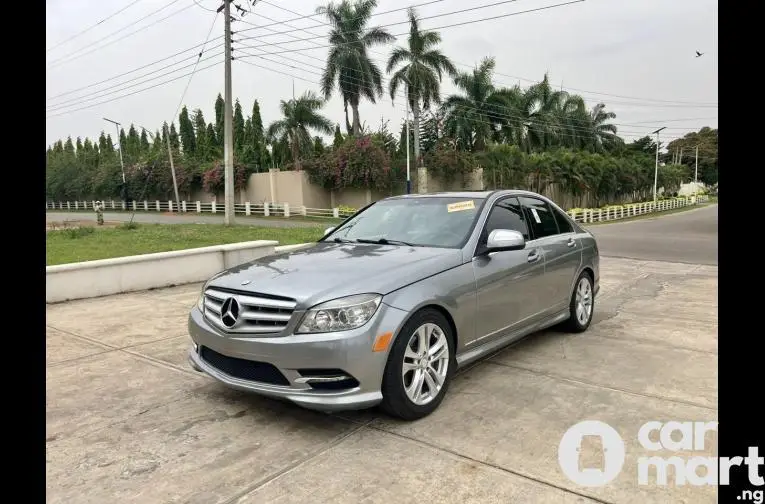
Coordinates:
389 304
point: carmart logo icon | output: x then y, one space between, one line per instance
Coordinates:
569 453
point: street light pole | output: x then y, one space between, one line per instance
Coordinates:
122 164
656 167
408 179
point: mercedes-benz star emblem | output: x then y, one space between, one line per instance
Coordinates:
229 312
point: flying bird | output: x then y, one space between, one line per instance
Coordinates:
699 54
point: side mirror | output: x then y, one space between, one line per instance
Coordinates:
328 230
505 239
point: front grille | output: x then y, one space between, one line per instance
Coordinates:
257 313
243 369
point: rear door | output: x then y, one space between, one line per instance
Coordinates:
562 250
509 283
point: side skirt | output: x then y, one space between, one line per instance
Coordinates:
492 346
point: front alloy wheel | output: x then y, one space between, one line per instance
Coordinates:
426 364
419 366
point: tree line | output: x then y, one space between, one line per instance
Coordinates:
526 137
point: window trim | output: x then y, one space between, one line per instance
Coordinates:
564 215
531 228
479 246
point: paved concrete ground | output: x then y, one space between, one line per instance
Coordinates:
689 236
128 421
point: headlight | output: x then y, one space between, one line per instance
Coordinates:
201 303
340 314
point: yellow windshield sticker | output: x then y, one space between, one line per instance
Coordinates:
462 205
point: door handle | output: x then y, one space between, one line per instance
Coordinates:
534 256
571 242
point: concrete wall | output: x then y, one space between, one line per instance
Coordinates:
147 271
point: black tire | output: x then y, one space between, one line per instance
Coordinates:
395 401
573 324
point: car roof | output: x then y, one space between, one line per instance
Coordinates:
470 194
447 194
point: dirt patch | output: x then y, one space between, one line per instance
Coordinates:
76 223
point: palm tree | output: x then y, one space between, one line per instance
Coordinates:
348 64
603 134
475 115
421 75
300 115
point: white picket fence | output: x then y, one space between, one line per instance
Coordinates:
251 209
587 215
616 212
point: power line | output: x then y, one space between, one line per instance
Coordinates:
74 56
92 26
564 130
457 63
384 79
135 92
317 14
461 11
195 65
80 100
137 69
87 99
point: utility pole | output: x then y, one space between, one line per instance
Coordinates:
122 164
172 170
228 121
408 178
680 158
656 168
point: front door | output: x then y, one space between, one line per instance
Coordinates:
563 252
509 283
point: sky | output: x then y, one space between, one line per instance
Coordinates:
129 60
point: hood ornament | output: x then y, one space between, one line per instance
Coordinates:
245 282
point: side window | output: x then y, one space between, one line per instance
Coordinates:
506 214
563 223
540 217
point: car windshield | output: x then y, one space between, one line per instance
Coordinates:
425 221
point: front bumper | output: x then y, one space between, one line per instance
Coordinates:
294 355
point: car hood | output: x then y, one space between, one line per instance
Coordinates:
324 271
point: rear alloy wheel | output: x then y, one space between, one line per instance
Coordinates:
582 305
419 367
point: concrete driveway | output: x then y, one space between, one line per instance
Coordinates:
128 421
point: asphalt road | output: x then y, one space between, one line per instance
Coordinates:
684 237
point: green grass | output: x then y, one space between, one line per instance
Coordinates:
87 244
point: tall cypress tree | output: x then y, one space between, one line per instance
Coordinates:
78 147
144 142
260 153
200 129
220 107
212 138
238 128
164 133
175 141
188 139
69 147
123 141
